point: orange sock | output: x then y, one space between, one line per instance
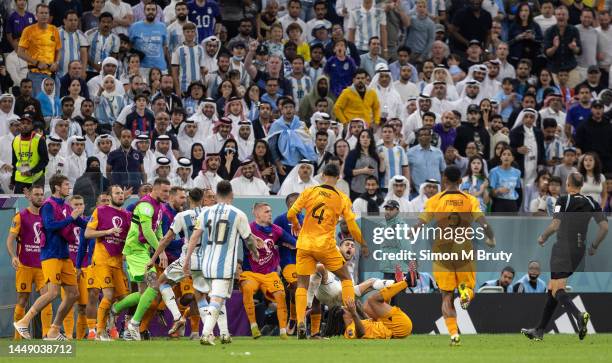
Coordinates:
81 327
69 323
186 312
103 309
348 291
451 325
301 302
292 314
315 323
281 309
388 292
91 324
18 315
46 318
144 324
194 321
247 300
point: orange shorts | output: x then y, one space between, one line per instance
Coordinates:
85 282
306 261
107 277
186 285
268 283
290 274
59 271
398 322
450 279
26 275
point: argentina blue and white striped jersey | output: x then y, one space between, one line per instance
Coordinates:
72 42
223 226
101 46
189 60
314 73
183 225
175 36
366 24
300 87
395 160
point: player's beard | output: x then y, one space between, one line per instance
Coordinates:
181 18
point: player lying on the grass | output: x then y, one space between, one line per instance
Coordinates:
377 319
452 208
261 273
571 218
325 288
324 205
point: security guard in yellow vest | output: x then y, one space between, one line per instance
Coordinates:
30 157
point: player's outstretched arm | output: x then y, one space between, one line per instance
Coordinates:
355 232
193 241
359 328
602 231
487 229
552 228
253 242
169 237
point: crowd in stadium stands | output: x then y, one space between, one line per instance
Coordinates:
265 92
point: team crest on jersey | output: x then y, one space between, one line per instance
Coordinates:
345 66
209 11
136 156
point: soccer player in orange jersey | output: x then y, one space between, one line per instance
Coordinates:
455 209
324 205
27 230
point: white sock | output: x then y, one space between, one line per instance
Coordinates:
381 284
222 321
283 331
211 318
254 325
168 295
203 309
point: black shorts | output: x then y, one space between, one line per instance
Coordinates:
564 264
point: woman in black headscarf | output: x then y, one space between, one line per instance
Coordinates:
229 159
197 159
90 184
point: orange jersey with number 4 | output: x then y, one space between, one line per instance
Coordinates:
324 205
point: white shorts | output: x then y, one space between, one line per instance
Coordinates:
221 288
329 294
174 272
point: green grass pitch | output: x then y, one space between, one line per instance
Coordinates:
418 348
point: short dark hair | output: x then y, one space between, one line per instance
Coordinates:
555 179
360 71
196 195
372 38
67 99
321 133
332 170
321 100
224 188
452 174
25 80
430 114
56 181
294 26
508 269
549 122
292 195
161 181
105 14
372 177
404 49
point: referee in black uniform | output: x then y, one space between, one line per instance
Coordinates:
571 218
